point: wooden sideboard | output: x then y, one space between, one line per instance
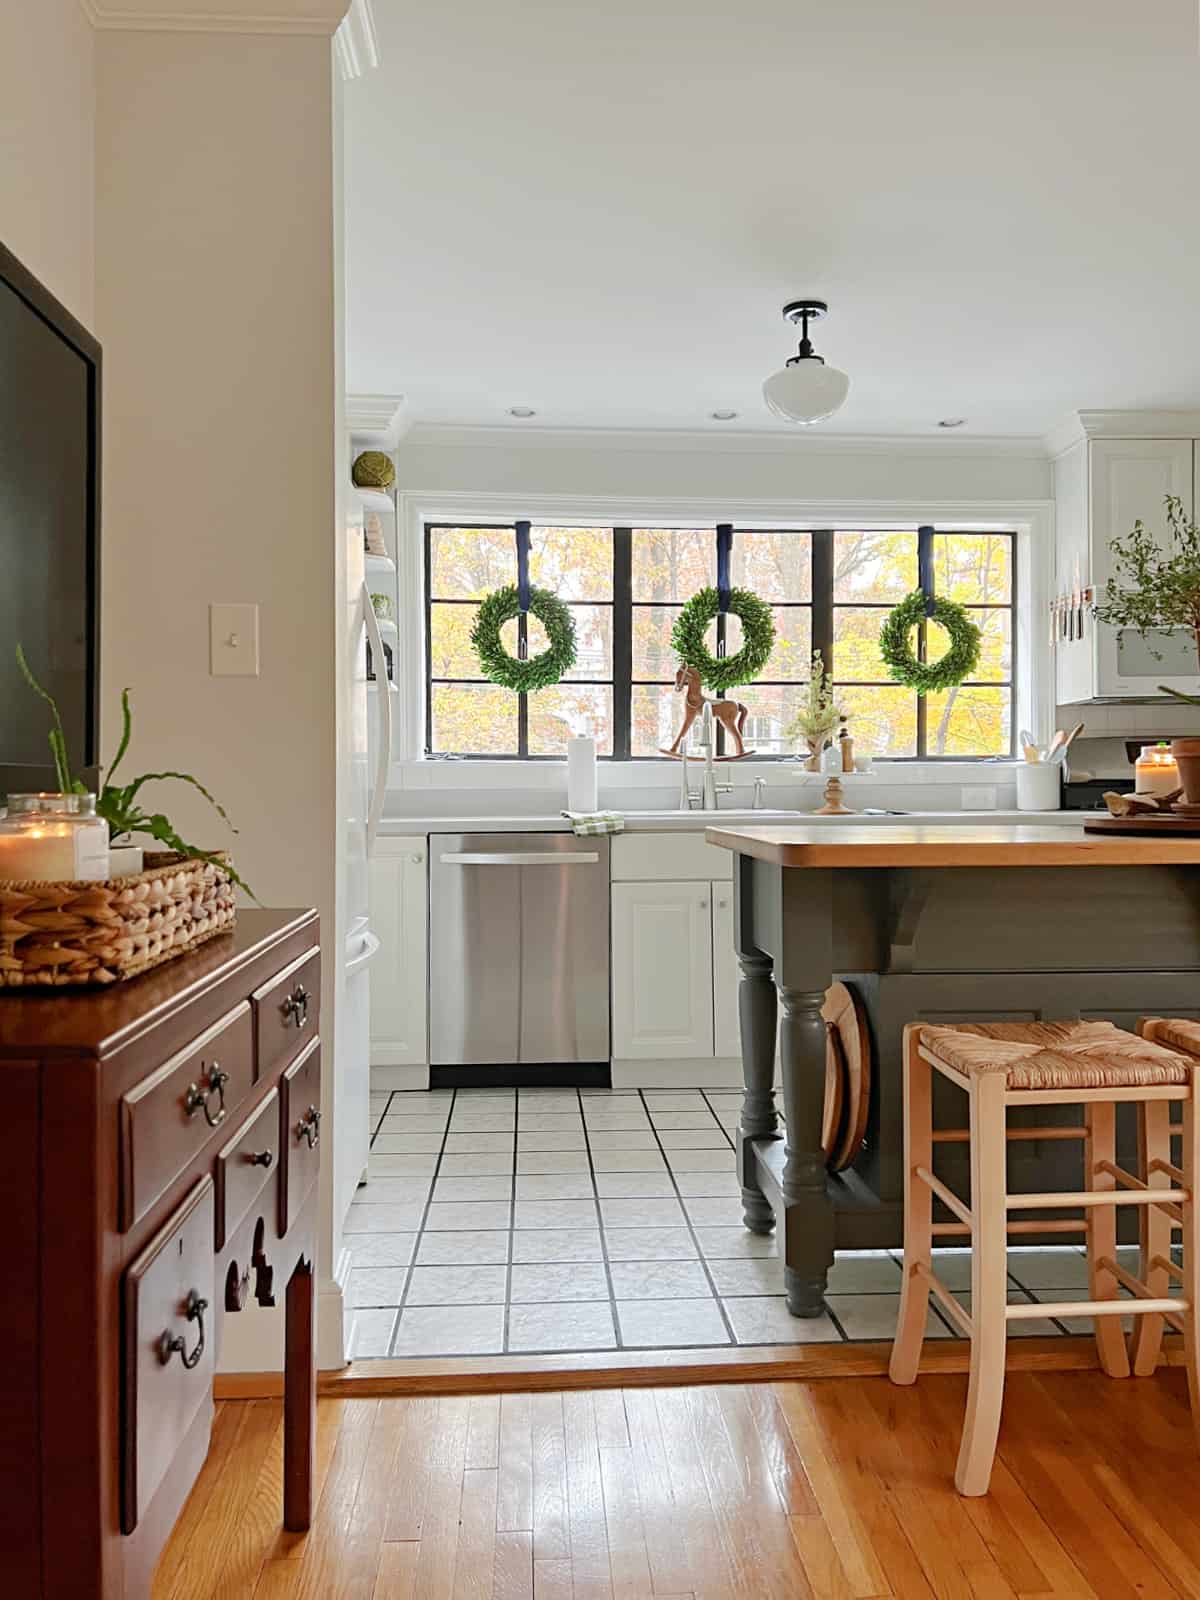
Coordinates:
161 1152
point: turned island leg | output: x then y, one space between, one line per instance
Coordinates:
808 1218
759 1120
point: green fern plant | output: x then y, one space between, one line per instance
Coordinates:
119 804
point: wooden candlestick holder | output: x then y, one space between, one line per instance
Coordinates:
833 806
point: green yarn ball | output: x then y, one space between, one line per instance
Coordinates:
719 673
540 671
928 677
373 470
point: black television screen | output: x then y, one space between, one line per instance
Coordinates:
49 527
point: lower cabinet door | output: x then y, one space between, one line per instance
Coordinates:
662 967
727 1039
399 894
169 1337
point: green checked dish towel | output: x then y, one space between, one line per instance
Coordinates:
591 822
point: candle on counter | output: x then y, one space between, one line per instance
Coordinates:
1155 771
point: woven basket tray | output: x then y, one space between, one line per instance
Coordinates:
54 934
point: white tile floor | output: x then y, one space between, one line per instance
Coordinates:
551 1220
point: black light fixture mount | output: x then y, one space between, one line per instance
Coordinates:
804 312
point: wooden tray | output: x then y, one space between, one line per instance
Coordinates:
1156 822
847 1076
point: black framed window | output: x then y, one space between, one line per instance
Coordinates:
829 590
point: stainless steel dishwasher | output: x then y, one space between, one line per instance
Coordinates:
518 949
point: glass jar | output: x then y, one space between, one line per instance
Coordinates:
1155 771
53 838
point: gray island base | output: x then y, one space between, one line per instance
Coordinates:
939 924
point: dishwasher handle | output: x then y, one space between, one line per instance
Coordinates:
528 858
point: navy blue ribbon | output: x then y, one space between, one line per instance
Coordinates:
724 552
925 566
523 566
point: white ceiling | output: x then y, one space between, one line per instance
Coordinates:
598 210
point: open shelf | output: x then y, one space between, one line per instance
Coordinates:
374 499
380 564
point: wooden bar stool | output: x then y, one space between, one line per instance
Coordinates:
998 1065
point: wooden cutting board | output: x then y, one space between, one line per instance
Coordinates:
848 1076
1159 822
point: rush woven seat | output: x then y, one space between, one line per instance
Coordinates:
1177 1033
1059 1055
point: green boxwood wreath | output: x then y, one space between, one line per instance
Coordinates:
719 673
927 677
540 671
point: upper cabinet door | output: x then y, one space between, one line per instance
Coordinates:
1130 479
399 900
662 971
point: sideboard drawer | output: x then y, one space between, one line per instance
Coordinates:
286 1012
169 1310
169 1116
246 1165
301 1088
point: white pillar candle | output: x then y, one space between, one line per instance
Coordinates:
43 853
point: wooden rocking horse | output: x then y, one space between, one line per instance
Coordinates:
731 714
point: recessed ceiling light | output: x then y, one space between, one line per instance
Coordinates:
521 411
722 416
951 422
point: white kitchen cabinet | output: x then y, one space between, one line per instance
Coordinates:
1103 485
399 911
662 971
727 1040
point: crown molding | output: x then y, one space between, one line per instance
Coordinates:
713 440
356 43
1081 425
379 415
312 18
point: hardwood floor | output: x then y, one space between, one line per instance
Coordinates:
839 1489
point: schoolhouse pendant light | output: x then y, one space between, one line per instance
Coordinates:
806 390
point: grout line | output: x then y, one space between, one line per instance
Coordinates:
688 1221
420 1234
512 1222
612 1293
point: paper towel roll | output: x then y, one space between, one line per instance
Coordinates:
581 775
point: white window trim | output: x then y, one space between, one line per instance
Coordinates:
1033 521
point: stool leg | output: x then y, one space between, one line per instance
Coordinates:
918 1212
1100 1120
1191 1256
1154 1144
989 1285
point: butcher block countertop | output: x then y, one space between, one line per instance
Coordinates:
997 844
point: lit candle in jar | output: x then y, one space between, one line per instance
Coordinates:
43 853
1156 772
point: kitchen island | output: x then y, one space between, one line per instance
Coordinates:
937 923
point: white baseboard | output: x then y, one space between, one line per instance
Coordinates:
335 1319
387 1079
725 1072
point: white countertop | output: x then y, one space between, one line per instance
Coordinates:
683 821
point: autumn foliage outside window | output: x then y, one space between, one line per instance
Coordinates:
829 589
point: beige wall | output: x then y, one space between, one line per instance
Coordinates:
46 114
214 300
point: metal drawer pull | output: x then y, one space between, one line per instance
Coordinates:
295 1007
529 858
309 1127
261 1158
196 1098
168 1345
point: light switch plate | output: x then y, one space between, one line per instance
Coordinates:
233 640
979 798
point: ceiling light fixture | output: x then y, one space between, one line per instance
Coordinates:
951 422
806 390
722 416
521 411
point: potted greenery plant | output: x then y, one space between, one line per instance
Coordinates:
1155 586
819 717
120 804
